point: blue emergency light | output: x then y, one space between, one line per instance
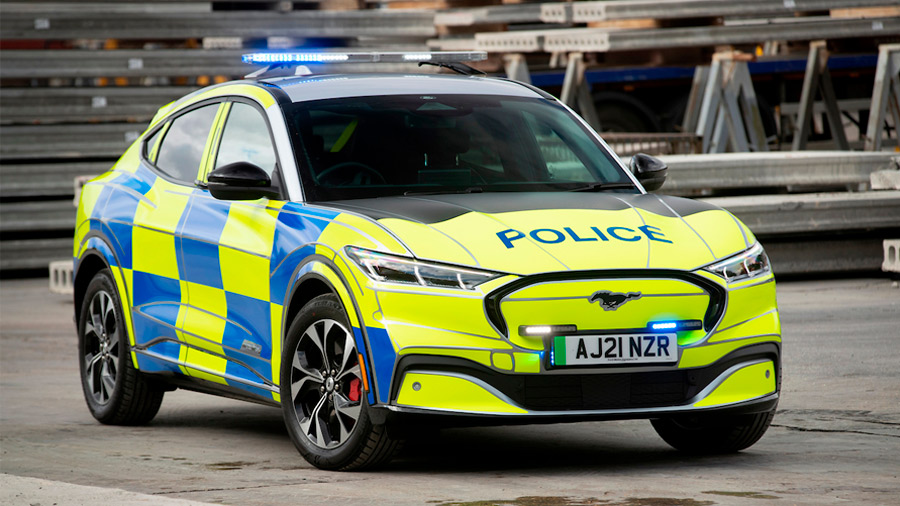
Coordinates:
676 325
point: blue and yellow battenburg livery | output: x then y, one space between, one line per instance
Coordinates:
513 305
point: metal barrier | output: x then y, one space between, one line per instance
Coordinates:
816 233
627 144
703 174
815 213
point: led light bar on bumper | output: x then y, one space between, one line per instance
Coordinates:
383 267
747 264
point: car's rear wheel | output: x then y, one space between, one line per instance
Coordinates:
116 393
711 434
322 394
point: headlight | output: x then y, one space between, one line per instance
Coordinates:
748 264
396 269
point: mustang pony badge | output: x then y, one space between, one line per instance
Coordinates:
610 301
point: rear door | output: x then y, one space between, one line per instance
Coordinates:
173 155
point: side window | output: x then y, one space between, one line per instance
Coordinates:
150 144
181 150
246 139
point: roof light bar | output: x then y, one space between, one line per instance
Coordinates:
368 57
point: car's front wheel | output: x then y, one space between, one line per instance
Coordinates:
116 393
711 434
322 394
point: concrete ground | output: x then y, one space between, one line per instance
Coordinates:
835 439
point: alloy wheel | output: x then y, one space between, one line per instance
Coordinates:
101 347
326 383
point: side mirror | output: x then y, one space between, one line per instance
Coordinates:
241 181
649 170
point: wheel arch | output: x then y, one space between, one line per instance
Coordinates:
95 255
306 289
319 275
89 265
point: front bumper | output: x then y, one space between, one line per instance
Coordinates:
745 380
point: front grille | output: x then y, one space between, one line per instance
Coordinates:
714 310
606 391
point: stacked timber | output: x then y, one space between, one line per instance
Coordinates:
79 82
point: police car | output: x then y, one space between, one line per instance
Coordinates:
377 252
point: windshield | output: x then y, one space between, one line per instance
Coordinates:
363 147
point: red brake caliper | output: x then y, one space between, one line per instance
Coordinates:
355 390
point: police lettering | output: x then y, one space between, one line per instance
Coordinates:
590 234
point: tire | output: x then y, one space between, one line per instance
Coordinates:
711 434
323 402
116 393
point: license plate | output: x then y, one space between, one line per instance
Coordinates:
617 349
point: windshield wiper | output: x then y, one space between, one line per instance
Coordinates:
602 186
471 189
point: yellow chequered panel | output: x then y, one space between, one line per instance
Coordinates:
727 238
766 324
745 303
210 324
413 336
275 314
89 195
244 273
201 323
700 356
457 313
171 201
750 382
179 324
245 248
198 359
122 278
250 227
154 252
436 391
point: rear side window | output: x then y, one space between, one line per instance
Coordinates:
181 150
